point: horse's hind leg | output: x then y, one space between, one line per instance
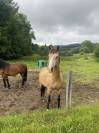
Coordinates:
48 102
58 100
42 90
22 78
23 82
49 97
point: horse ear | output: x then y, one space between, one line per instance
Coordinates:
50 47
57 48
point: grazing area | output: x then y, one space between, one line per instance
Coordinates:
26 111
27 98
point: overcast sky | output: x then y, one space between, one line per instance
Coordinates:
62 21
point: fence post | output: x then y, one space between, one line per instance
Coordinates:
69 90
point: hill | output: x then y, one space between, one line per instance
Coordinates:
69 49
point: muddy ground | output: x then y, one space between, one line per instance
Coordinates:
27 99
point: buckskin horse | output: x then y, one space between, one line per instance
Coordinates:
50 77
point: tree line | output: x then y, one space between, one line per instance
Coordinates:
16 36
83 48
15 31
89 47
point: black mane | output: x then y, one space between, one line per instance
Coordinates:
3 64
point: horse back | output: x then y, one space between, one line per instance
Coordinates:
14 69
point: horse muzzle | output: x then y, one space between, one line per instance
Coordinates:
51 69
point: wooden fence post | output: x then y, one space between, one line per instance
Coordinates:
69 89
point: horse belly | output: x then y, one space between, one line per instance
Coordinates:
13 71
56 86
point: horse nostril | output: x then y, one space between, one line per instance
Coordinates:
52 69
55 66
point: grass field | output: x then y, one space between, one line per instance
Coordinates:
76 120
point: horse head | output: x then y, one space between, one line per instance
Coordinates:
54 58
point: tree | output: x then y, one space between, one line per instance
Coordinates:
87 47
96 51
40 50
15 31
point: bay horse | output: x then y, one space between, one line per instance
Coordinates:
7 69
50 77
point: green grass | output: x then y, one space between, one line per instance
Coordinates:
85 68
76 120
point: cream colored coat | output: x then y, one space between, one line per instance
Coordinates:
51 80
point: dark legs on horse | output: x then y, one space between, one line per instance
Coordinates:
48 102
23 81
42 90
6 82
24 77
58 101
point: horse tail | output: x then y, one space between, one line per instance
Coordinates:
25 75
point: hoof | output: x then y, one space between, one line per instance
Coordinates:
5 86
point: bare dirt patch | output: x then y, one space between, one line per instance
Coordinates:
26 99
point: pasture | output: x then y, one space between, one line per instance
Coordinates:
27 100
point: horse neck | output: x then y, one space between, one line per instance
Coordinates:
56 72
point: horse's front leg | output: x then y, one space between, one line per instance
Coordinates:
7 80
42 88
58 99
4 81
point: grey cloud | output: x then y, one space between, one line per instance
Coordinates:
49 14
81 16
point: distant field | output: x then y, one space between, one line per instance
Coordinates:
85 67
76 120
